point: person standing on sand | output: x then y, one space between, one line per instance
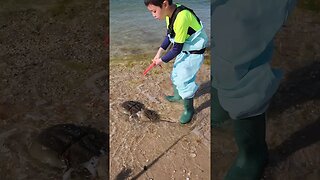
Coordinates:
186 32
243 81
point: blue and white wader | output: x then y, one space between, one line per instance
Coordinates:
243 33
187 65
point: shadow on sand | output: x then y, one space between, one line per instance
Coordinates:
300 86
126 173
204 88
300 139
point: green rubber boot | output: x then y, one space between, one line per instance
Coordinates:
176 97
188 111
218 115
252 149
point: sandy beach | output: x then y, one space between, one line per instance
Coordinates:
145 149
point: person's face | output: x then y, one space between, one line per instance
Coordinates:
156 11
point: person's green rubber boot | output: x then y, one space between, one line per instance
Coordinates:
218 115
188 111
252 149
176 97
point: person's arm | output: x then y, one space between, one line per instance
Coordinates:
180 27
177 48
165 44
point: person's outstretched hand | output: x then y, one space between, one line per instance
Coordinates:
158 61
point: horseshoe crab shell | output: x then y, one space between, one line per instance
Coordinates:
69 145
132 108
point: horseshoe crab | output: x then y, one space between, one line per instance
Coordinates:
136 109
70 146
133 108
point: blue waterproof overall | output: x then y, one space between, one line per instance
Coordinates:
187 65
241 53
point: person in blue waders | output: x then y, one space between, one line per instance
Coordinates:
243 81
186 32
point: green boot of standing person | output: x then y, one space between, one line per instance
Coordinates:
176 97
188 111
252 149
